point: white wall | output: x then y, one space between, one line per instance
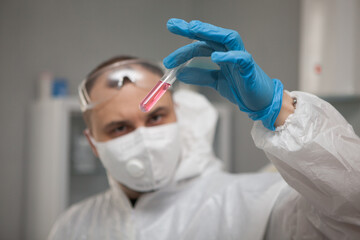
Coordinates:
70 37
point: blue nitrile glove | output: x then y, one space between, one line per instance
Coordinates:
239 79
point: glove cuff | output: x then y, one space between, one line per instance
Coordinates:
268 115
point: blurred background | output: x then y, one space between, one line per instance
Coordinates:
52 45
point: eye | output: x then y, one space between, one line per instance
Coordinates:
119 130
155 119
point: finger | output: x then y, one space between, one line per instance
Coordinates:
198 76
215 40
205 31
185 53
237 63
209 78
241 58
179 27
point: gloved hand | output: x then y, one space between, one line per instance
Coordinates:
239 79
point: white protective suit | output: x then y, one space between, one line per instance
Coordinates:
316 151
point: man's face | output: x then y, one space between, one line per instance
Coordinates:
121 114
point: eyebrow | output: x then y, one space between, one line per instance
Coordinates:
158 110
127 122
115 123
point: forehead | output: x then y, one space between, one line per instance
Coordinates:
108 82
124 105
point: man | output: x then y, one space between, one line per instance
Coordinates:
166 182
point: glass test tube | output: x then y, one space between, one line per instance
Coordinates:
160 88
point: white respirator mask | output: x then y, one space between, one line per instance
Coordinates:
143 160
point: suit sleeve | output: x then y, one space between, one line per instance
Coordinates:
317 152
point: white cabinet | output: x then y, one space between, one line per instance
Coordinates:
47 176
60 167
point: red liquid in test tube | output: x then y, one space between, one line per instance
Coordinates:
160 88
154 95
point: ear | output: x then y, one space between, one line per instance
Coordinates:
87 135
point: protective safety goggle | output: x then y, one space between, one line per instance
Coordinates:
111 79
